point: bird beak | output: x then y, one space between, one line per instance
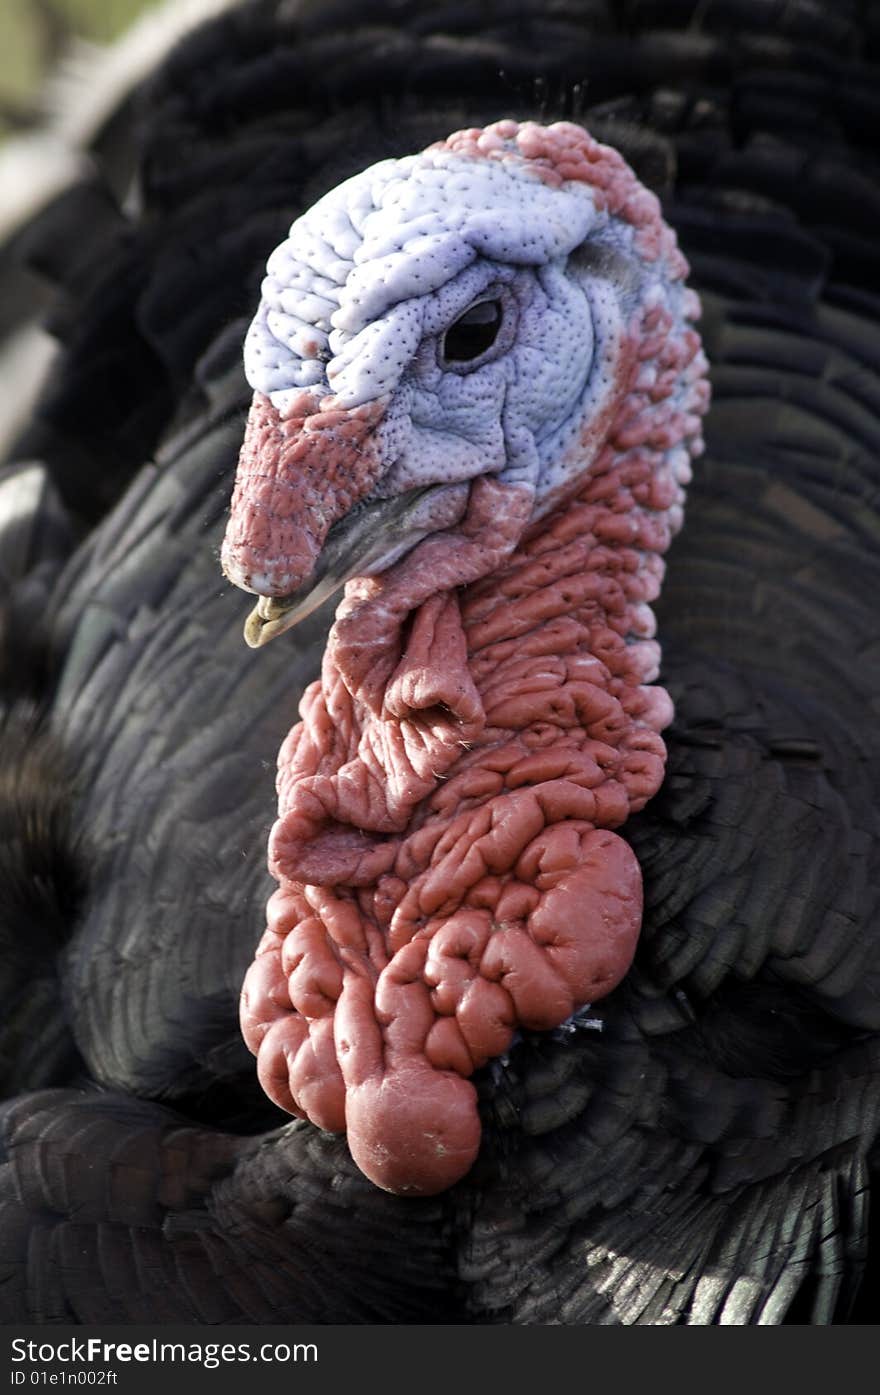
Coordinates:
301 521
368 539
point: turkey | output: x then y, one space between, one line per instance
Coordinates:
690 1140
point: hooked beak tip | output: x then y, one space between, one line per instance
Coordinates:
253 630
266 620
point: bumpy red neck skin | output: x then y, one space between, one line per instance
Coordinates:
486 716
447 870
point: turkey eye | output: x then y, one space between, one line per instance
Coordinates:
473 332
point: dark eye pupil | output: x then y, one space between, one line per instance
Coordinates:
473 332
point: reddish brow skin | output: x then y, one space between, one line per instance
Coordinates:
297 475
447 866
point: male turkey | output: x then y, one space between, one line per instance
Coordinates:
697 1145
478 392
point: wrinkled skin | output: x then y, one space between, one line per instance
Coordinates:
486 717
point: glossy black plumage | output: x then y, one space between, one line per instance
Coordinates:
699 1147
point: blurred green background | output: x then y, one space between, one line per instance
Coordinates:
34 33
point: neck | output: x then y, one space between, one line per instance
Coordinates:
447 871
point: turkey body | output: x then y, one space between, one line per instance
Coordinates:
698 1146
